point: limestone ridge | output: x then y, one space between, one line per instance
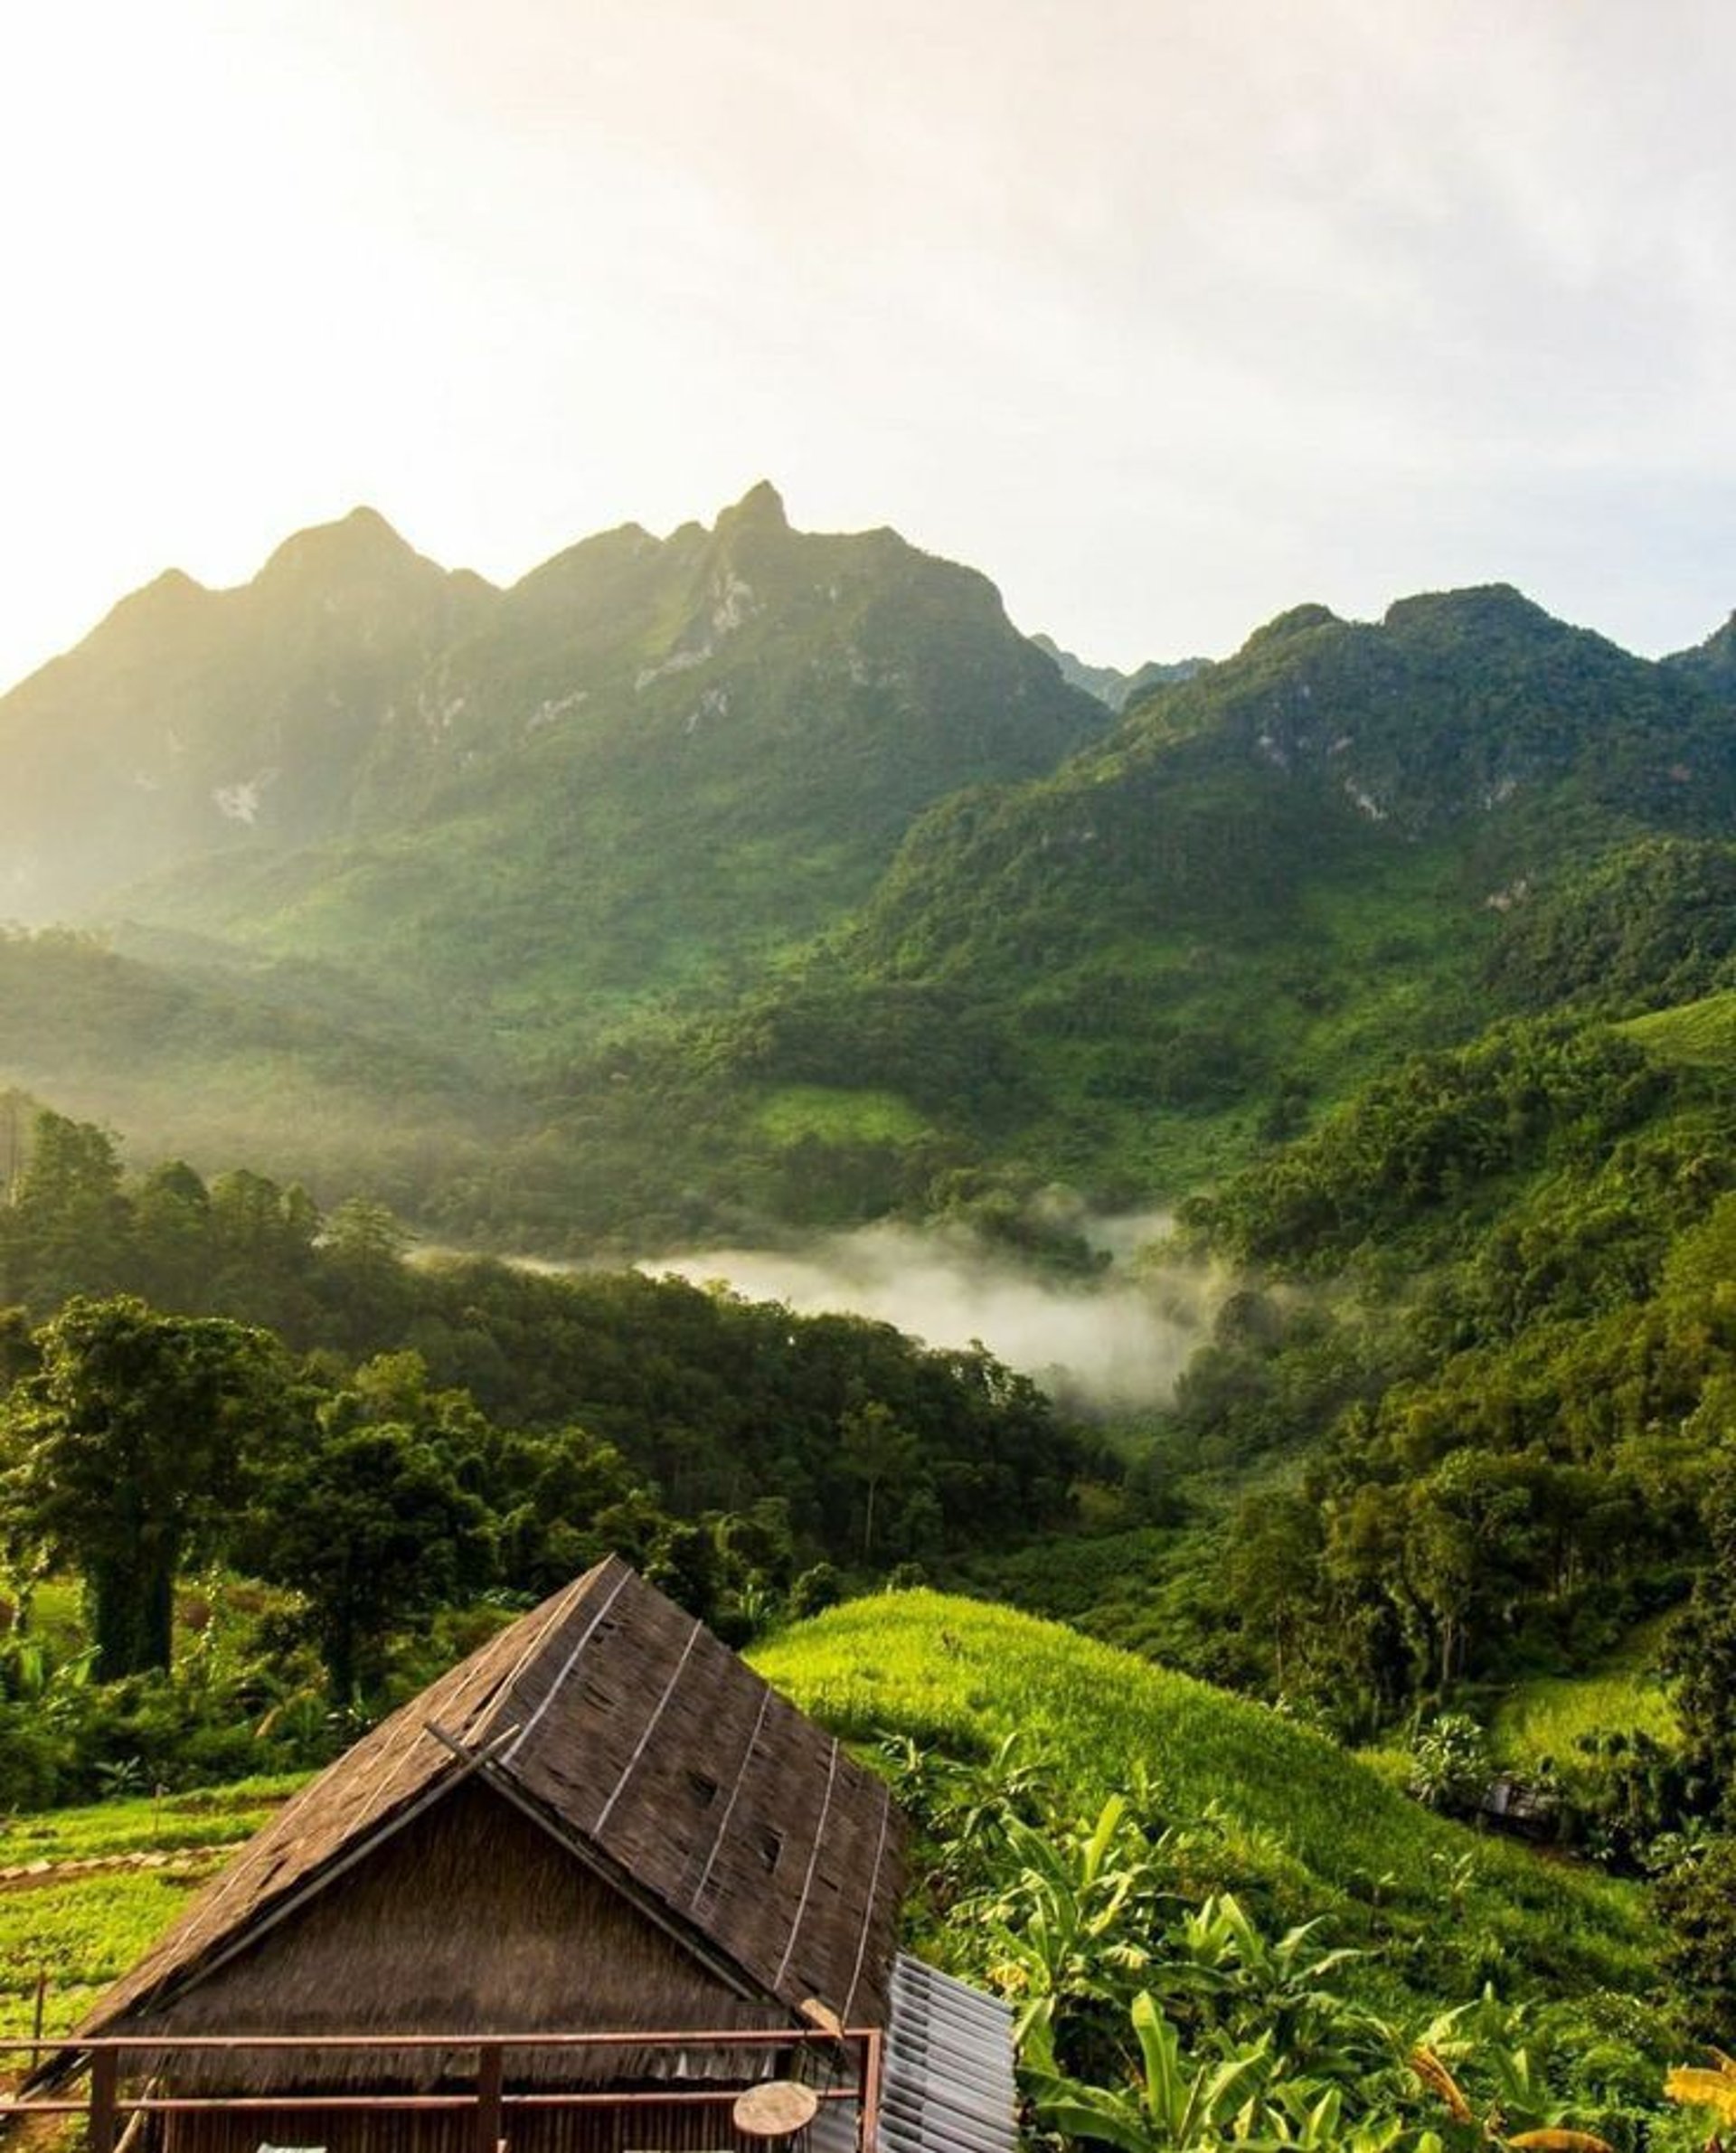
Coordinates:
1456 703
1470 722
603 743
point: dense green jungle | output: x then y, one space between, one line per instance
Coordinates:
1333 1743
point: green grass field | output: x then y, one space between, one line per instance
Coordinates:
84 1928
208 1817
82 1934
1695 1034
1301 1826
1544 1720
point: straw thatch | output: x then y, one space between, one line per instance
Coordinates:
471 1919
602 1817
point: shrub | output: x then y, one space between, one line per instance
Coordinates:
1697 1900
1449 1765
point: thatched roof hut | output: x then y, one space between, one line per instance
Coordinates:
628 1740
601 1823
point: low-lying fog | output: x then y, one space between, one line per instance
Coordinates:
1114 1342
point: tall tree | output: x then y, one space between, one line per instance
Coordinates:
69 1227
876 1452
172 1234
371 1526
129 1450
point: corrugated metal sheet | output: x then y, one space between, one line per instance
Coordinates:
947 2072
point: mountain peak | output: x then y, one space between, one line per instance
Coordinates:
1485 610
361 543
161 606
1297 621
171 591
760 508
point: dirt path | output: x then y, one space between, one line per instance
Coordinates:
24 1876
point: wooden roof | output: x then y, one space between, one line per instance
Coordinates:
654 1755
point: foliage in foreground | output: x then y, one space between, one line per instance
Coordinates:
1298 1829
1093 1832
1154 2010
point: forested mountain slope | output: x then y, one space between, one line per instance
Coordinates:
748 879
1346 840
646 760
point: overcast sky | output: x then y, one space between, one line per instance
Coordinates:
1167 313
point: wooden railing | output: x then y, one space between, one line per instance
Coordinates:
111 2110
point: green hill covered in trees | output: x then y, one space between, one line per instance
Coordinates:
748 878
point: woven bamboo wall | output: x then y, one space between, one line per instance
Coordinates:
472 1918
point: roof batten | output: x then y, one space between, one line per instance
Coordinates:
650 1724
554 1689
813 1860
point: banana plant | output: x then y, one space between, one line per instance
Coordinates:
961 1809
1077 1923
1173 2101
1218 1970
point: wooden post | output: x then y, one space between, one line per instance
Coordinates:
39 2014
869 2139
105 2077
489 2077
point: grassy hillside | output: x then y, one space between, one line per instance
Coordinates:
1301 1826
1290 1822
1699 1035
84 1891
1545 1720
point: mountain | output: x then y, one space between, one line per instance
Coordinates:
747 877
644 760
1470 725
1111 686
195 721
1262 884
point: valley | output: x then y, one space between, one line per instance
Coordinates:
1244 1168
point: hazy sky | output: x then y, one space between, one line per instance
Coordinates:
1167 314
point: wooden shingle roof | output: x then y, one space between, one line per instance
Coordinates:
654 1755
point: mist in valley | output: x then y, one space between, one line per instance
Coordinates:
1115 1342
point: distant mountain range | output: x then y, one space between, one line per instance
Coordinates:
1114 688
749 874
